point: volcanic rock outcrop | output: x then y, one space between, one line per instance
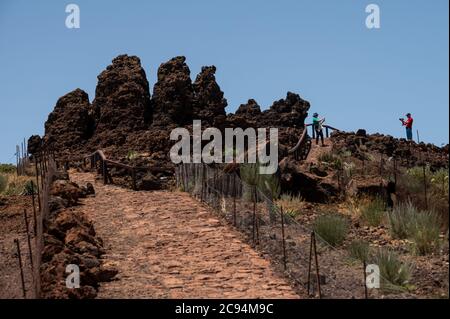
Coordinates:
289 112
34 144
247 115
122 101
173 94
71 123
210 104
408 153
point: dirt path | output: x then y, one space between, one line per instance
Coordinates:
317 150
167 245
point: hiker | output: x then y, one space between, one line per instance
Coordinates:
317 126
408 124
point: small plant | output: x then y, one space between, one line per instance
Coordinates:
326 157
359 250
291 213
331 159
394 274
132 155
29 188
331 228
373 212
289 202
7 168
400 218
345 153
424 231
349 169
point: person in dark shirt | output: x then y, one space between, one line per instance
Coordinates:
408 124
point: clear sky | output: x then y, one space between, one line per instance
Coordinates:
355 76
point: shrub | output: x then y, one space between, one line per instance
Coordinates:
326 157
132 155
3 182
7 168
331 159
29 188
424 230
249 173
359 250
422 227
349 169
289 202
331 228
394 274
373 212
400 218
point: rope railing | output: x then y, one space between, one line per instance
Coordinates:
303 146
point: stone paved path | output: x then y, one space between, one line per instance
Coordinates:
167 245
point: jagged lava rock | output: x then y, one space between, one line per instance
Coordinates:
34 144
173 94
209 103
122 101
289 112
70 123
247 115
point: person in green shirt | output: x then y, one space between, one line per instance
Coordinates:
317 126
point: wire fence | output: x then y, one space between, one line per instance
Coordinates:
313 265
44 167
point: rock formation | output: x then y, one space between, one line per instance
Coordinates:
122 101
247 115
209 103
173 94
34 144
71 123
289 112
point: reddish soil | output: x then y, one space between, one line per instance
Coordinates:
12 226
167 245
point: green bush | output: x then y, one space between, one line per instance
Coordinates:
326 157
422 227
3 182
400 218
29 188
359 250
331 159
331 228
394 274
132 155
424 230
373 213
7 168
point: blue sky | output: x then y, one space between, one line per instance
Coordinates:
321 49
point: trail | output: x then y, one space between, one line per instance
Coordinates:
167 245
318 149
